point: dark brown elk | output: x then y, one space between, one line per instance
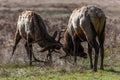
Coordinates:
68 46
31 27
88 24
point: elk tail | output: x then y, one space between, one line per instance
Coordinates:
92 26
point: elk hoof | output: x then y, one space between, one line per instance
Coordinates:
91 66
95 70
30 64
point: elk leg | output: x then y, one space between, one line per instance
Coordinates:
17 40
32 54
30 49
90 55
75 50
101 41
29 45
49 57
26 47
96 49
102 56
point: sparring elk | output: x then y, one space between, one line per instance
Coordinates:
68 46
88 24
31 27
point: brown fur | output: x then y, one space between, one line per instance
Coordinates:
31 27
87 23
68 46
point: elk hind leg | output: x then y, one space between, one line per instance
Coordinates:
101 41
26 47
29 49
35 59
90 55
17 40
95 45
75 50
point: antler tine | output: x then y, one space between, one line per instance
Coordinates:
55 34
59 36
56 51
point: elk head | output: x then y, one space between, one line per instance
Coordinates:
54 46
68 46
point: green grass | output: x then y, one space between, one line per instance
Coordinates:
48 73
80 72
76 76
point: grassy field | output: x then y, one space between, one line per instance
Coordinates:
56 14
64 72
24 72
37 73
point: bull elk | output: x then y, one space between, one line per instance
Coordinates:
31 27
88 24
68 46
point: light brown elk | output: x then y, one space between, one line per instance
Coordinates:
88 24
31 27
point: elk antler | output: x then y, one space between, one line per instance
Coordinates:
59 36
55 34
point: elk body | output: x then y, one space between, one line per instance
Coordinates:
31 27
88 23
68 46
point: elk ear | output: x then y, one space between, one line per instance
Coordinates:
55 34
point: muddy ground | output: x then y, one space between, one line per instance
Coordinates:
55 14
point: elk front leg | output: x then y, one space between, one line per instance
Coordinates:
50 56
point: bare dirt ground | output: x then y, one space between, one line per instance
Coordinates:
55 14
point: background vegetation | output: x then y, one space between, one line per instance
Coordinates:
56 14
